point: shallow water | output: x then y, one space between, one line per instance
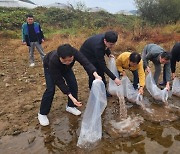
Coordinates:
61 136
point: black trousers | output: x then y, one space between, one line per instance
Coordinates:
48 95
100 73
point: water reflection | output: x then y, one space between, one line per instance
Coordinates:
154 132
59 135
158 135
49 139
62 135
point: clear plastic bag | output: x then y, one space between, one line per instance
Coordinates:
153 89
91 126
176 87
129 92
112 87
126 88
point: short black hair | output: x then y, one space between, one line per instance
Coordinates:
135 57
29 16
111 36
65 50
166 55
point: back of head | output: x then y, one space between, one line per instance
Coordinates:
166 55
111 36
135 57
65 50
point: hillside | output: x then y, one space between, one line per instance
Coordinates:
22 87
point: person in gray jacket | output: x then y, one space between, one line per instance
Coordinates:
156 54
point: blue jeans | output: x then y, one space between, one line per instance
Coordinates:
135 79
48 95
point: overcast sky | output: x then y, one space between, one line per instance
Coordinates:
110 5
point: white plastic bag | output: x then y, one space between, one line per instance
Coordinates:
112 87
176 87
153 89
126 88
91 127
129 92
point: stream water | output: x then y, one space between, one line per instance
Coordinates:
159 133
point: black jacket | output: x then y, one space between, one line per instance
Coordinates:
57 69
175 56
94 49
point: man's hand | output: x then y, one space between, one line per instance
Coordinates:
24 43
74 100
167 86
77 103
42 40
141 90
123 73
148 69
173 76
97 76
111 56
117 81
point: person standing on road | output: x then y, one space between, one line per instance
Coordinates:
32 36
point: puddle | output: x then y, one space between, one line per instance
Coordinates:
159 133
160 114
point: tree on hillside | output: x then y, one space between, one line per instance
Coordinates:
159 11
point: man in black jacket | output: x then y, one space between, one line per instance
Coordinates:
175 53
95 48
58 71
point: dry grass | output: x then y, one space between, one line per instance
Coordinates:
134 40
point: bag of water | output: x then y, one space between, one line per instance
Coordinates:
153 89
91 126
112 87
175 87
129 92
126 88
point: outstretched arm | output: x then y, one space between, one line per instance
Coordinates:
74 100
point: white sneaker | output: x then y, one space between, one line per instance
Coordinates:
32 65
73 110
43 120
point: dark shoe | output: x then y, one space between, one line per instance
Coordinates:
108 94
162 83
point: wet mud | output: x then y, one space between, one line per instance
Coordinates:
21 89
